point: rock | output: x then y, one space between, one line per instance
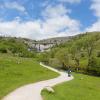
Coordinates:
49 89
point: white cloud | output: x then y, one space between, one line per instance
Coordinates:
14 5
70 1
96 8
56 23
58 10
16 28
60 23
94 27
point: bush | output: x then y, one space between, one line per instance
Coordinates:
98 54
43 57
82 55
93 67
3 50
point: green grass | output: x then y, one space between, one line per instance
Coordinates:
16 72
83 87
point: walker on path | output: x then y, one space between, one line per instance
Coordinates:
69 73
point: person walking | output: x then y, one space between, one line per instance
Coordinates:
69 73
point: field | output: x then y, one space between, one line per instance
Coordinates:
83 87
16 72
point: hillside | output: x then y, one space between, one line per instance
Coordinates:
58 40
80 54
16 46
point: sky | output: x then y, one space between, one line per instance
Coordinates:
41 19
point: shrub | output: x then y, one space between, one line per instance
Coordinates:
3 50
93 67
98 54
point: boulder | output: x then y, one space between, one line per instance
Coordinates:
49 89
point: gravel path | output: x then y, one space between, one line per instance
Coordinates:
33 91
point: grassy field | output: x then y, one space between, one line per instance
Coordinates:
83 87
16 71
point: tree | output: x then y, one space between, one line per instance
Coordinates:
63 57
43 57
94 67
89 45
75 51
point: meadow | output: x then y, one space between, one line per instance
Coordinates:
17 71
82 87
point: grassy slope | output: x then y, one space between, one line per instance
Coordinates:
87 88
75 48
14 75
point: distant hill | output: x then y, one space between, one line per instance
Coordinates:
21 45
16 46
56 40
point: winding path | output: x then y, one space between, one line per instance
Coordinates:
33 91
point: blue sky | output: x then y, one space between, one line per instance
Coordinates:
38 19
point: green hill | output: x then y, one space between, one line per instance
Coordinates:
16 46
81 54
57 40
